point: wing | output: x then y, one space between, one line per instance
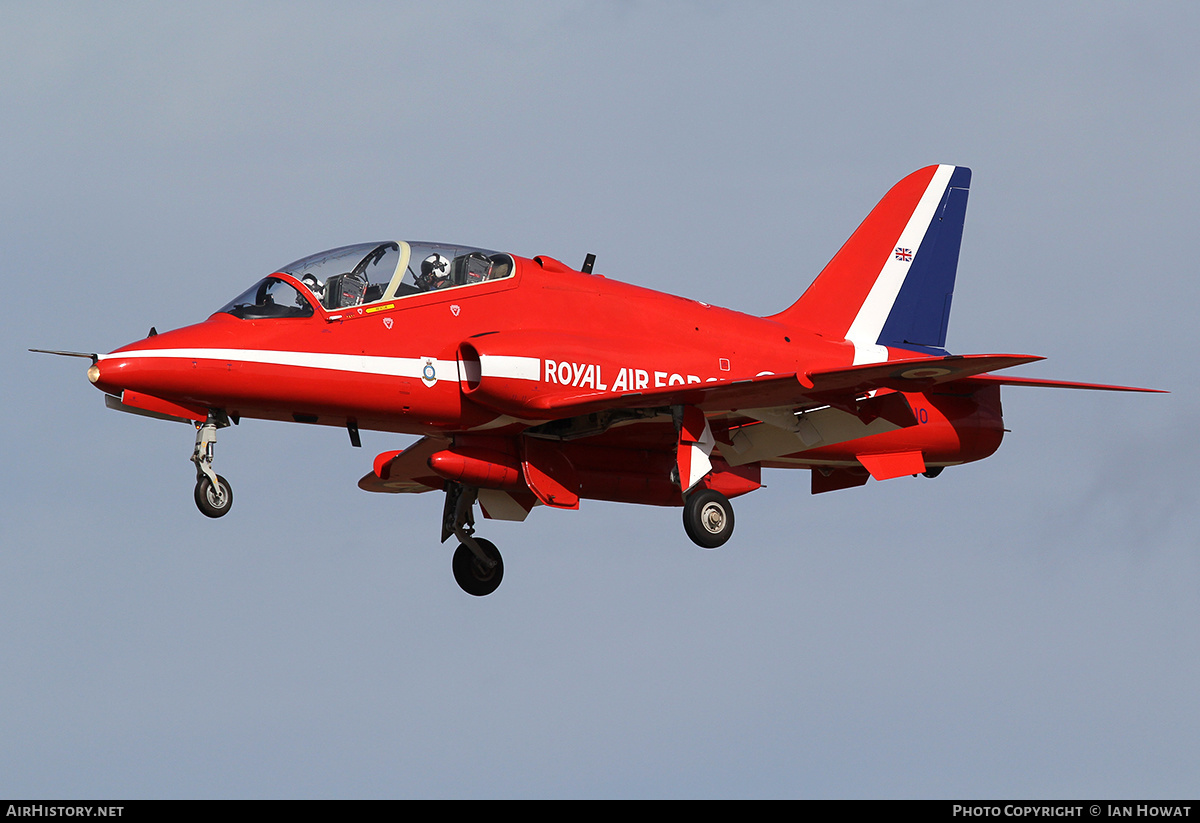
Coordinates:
839 405
836 387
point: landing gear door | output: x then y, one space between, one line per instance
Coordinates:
549 474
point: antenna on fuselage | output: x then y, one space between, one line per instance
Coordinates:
588 262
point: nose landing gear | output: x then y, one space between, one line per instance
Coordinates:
214 497
213 500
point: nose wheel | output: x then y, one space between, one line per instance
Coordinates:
214 497
213 500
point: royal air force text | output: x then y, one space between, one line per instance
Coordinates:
590 375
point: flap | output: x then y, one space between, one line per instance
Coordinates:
892 464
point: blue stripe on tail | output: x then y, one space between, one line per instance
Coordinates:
921 312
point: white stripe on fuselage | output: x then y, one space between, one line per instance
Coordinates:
873 313
511 366
520 368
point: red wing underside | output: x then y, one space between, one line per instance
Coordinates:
407 471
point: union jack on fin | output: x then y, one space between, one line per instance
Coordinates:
904 254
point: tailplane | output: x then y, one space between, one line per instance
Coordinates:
891 284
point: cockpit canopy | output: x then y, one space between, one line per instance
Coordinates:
368 273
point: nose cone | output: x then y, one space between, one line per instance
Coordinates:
158 365
113 374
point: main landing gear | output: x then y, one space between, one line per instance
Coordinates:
214 497
708 518
478 566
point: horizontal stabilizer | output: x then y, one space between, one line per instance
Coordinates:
913 375
996 380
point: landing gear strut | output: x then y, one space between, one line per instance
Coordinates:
708 518
478 567
214 497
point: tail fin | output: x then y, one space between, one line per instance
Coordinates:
891 283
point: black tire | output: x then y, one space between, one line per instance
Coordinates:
708 518
214 502
471 575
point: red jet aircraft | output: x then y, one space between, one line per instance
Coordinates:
531 382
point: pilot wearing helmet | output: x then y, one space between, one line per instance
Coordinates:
435 273
315 286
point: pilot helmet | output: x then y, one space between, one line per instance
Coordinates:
434 271
314 285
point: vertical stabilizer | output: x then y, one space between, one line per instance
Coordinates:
891 284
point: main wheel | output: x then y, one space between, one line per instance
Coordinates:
214 501
473 576
708 518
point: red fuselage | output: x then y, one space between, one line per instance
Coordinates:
497 357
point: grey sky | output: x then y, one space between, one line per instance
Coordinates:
1020 627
